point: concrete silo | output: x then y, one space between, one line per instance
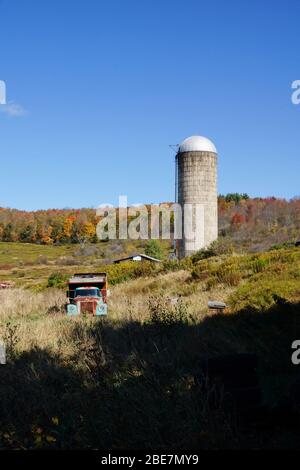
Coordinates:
196 193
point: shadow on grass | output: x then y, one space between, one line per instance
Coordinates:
132 385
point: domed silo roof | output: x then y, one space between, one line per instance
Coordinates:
197 143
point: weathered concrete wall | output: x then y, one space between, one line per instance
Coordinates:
197 187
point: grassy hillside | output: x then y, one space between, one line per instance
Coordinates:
128 381
30 265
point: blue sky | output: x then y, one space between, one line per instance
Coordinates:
99 89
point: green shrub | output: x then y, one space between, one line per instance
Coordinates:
261 293
280 246
217 248
200 271
202 254
227 273
122 272
153 248
172 265
119 272
145 268
259 265
57 280
163 313
229 276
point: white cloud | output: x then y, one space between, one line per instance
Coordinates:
13 109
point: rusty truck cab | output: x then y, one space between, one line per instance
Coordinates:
87 293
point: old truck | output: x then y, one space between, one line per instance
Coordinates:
87 294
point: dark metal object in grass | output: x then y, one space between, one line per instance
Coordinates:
216 305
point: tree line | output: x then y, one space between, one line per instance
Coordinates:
238 213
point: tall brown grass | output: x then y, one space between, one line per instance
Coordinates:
20 302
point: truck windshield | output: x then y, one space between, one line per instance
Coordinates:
87 293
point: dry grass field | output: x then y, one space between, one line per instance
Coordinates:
128 380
